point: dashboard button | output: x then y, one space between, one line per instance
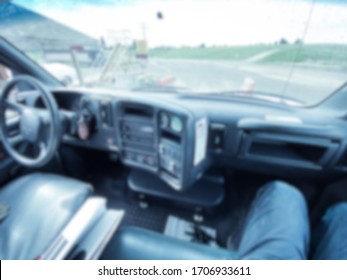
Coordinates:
140 158
150 161
161 149
172 166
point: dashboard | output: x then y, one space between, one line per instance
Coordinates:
179 137
153 137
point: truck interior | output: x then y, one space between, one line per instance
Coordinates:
81 165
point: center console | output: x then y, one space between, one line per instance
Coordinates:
158 139
137 136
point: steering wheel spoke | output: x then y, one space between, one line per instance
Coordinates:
15 140
42 147
14 106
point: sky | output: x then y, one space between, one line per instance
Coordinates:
193 22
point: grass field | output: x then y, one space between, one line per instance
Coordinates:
334 54
223 53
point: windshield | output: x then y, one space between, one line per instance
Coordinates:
291 49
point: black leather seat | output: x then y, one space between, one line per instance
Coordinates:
40 205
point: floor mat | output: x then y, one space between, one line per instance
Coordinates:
228 225
155 216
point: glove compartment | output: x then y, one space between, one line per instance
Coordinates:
287 149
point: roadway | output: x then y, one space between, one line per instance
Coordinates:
309 84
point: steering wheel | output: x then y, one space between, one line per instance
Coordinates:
40 127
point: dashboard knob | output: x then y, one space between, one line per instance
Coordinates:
85 124
83 131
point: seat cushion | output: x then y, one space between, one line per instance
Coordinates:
40 205
139 244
